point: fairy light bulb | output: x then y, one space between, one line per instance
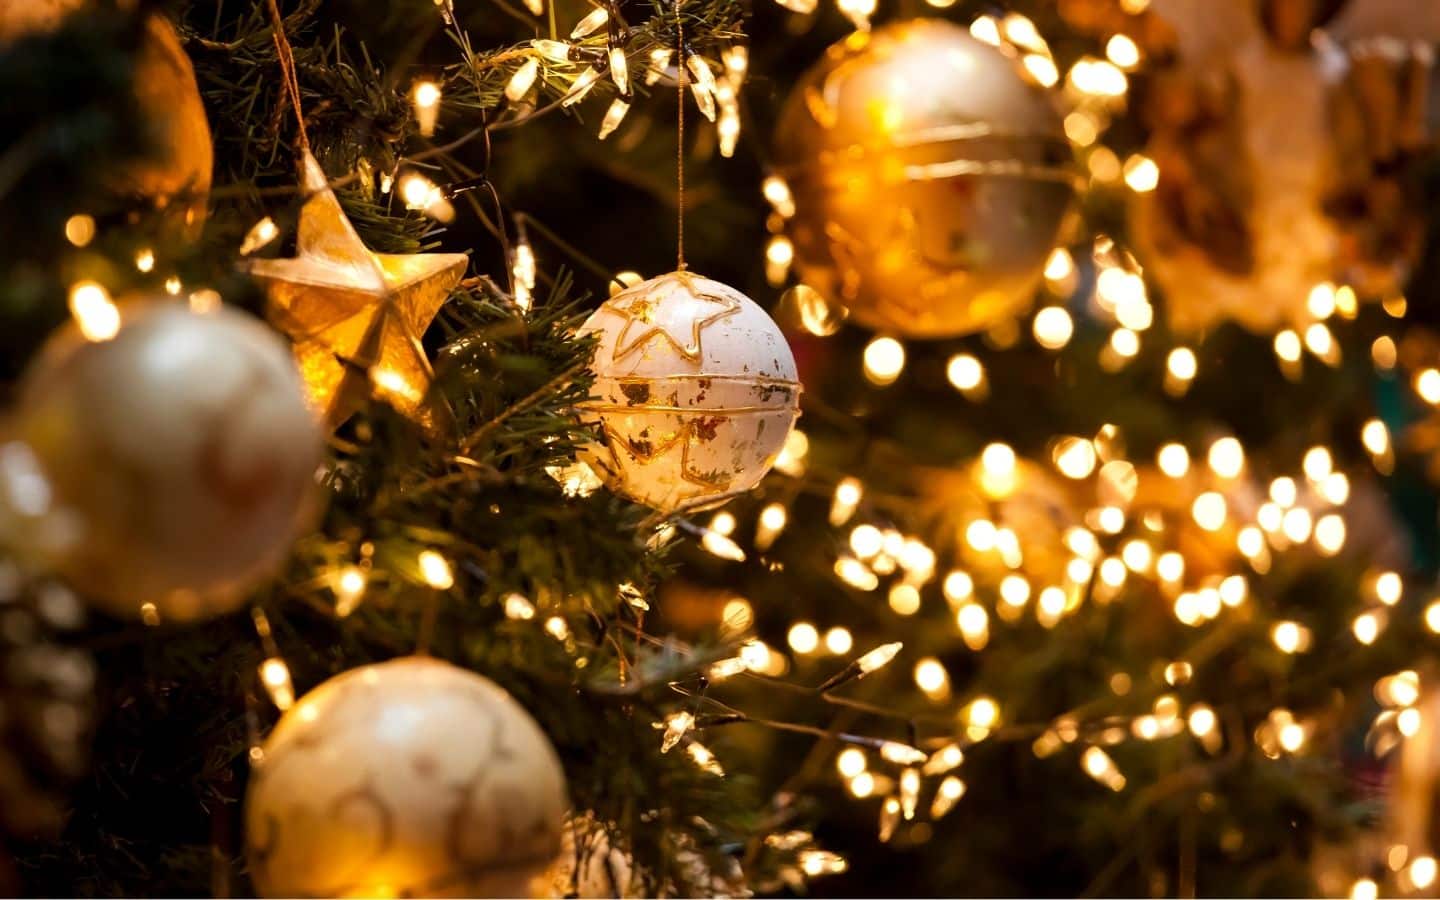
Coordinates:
875 659
435 571
1287 346
771 522
1226 457
1141 173
931 677
1053 327
838 642
426 99
803 638
590 24
1122 51
949 792
847 497
518 607
275 675
1209 511
966 373
524 78
850 762
523 272
1173 460
614 115
619 69
580 87
884 360
94 312
349 588
702 85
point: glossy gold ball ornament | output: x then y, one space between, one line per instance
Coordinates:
182 448
411 778
695 391
175 175
930 177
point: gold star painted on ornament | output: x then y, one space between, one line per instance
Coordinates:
647 452
672 310
355 316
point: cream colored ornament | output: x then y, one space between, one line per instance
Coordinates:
183 448
1279 168
410 778
930 179
695 390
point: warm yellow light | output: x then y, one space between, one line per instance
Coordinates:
1053 327
1376 437
803 638
985 29
974 623
856 574
1320 341
851 762
145 260
981 535
1042 68
1422 872
590 23
1181 364
1059 266
519 607
435 570
847 497
1389 587
930 676
777 192
1201 720
965 372
1074 457
1330 534
426 94
349 587
1287 346
1173 459
1233 590
80 229
276 677
838 640
1432 616
1296 524
1321 301
1141 173
904 599
1383 353
95 313
998 460
1366 627
1408 722
866 540
1081 128
1290 637
1124 342
1122 51
1427 385
1014 590
1364 889
1209 511
983 712
884 360
1227 457
524 78
1170 567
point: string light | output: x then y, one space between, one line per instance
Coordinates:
80 229
95 313
426 98
1053 327
614 115
349 589
522 80
966 373
769 525
591 23
847 497
1173 460
884 360
1122 51
949 792
275 675
435 571
1141 173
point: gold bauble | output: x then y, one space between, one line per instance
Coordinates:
183 451
930 178
177 168
410 778
1280 168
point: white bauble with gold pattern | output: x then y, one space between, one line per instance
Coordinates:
183 450
410 778
695 391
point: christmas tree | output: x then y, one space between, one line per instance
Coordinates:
716 448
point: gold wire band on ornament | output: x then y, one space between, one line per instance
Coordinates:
725 411
697 376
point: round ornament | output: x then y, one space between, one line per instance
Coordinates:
411 778
695 391
184 450
177 169
930 178
1282 166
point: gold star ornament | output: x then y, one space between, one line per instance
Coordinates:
355 316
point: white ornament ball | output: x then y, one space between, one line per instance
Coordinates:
411 778
183 449
695 391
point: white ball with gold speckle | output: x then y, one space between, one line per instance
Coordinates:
410 778
695 391
184 450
